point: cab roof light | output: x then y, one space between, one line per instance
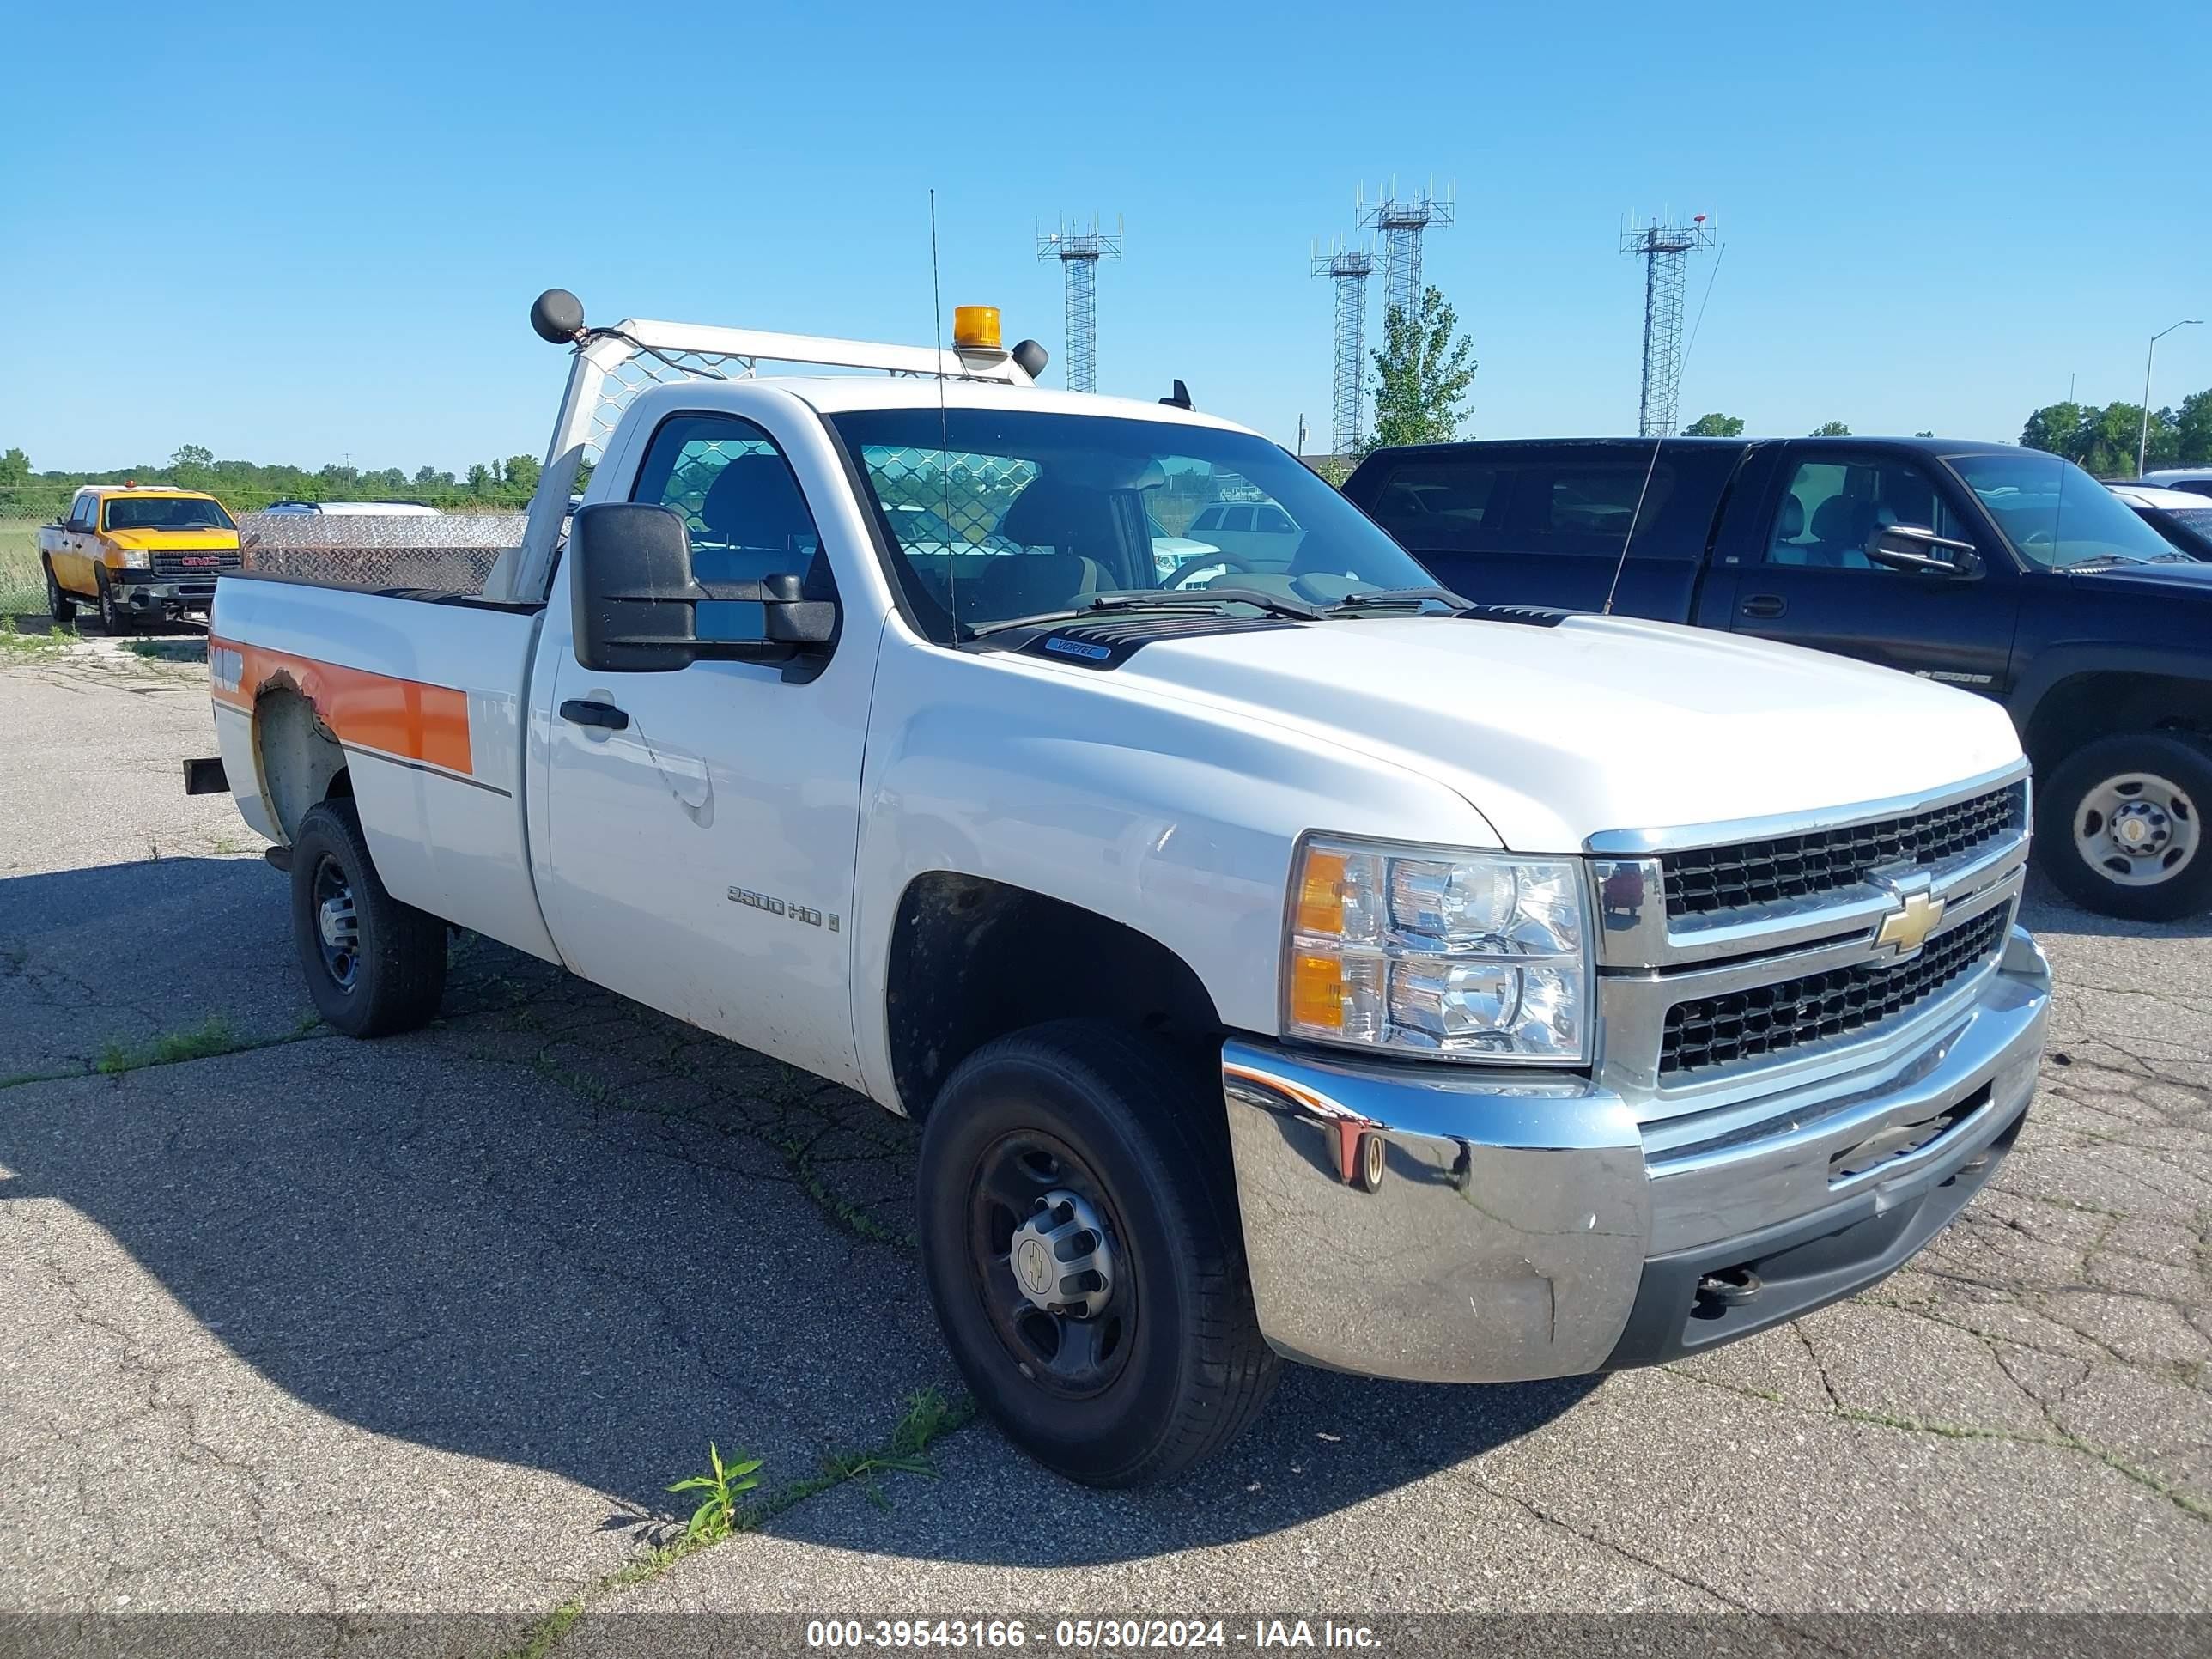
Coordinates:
975 328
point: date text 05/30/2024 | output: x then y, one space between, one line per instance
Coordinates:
1087 1635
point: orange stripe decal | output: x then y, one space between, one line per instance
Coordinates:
406 718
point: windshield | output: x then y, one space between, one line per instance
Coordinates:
1048 512
166 512
2054 514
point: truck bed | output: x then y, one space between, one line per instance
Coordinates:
423 697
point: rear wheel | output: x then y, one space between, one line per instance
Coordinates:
59 605
112 618
1081 1245
374 966
2120 826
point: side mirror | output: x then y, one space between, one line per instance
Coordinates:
1911 547
635 602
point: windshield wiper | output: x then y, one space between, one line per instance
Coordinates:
1196 601
1393 598
2102 562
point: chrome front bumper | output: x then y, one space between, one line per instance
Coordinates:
1445 1224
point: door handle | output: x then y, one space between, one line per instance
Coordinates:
1763 605
578 712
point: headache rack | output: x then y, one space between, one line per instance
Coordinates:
611 366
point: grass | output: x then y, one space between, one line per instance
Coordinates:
23 587
16 646
205 1040
185 651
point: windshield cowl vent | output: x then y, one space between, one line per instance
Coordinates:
1111 642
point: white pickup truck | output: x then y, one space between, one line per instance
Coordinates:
1299 961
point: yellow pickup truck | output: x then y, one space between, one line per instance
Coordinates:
137 553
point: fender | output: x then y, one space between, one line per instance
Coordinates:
2054 665
1175 819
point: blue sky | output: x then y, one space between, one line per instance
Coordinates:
296 232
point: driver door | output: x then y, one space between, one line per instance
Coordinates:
704 822
1814 586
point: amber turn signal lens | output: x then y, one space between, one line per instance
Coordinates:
1317 992
1320 896
975 328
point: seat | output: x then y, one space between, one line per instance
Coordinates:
1789 526
753 522
1840 529
1026 584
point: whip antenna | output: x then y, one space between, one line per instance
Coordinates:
1635 518
943 439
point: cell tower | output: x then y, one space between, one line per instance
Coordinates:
1350 268
1665 250
1079 253
1402 219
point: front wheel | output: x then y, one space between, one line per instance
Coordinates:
1081 1245
112 622
59 605
374 966
2120 826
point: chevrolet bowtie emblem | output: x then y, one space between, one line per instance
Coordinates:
1907 926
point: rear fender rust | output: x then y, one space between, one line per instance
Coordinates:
295 752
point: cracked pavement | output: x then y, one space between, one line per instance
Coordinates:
428 1324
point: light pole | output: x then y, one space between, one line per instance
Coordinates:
2143 443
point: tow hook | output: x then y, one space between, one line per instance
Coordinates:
1731 1287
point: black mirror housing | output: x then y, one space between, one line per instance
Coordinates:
634 597
631 596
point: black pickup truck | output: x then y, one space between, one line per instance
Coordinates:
2005 571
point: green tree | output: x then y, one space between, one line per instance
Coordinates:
1421 375
15 470
2059 428
193 457
1831 429
521 472
2192 430
479 478
1714 426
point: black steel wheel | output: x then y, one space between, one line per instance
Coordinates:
1045 1250
1082 1247
113 621
59 605
374 966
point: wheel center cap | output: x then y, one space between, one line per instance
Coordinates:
1062 1258
2139 827
336 920
1033 1266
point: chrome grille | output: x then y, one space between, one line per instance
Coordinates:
1709 880
1768 1019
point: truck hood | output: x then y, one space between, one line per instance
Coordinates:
2174 581
173 541
1557 733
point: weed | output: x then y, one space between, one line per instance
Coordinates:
718 1514
22 647
211 1036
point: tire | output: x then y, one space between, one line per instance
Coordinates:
2161 778
112 622
59 605
393 974
1181 1367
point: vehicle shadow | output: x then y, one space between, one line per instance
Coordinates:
563 1233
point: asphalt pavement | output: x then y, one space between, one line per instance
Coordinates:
291 1324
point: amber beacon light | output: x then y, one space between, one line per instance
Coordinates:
975 328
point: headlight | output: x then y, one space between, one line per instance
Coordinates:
1475 956
135 558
